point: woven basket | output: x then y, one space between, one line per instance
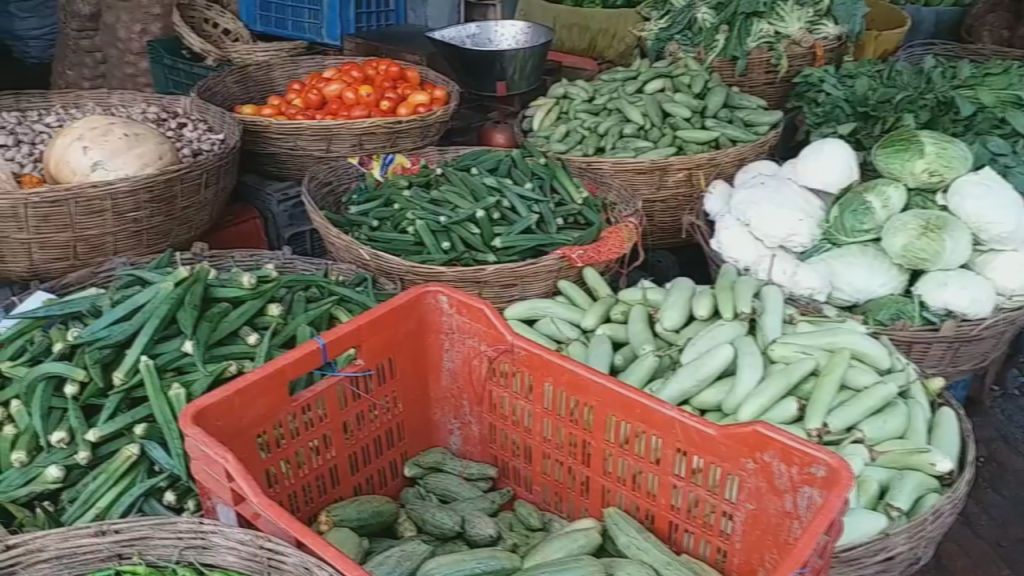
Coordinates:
671 189
908 548
951 350
213 31
501 284
762 77
287 150
51 231
287 263
82 550
915 52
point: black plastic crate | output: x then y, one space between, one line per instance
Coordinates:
175 69
280 205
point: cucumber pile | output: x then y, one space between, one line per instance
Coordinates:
647 111
91 384
484 207
451 523
734 352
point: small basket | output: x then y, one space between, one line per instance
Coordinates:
213 31
286 150
670 189
438 367
908 548
83 550
500 284
52 231
955 348
762 76
284 261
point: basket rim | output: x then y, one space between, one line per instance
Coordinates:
774 134
191 36
962 328
442 113
187 104
955 497
315 215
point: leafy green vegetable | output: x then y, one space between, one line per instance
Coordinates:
860 213
981 103
921 159
894 309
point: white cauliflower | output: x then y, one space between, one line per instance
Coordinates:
779 212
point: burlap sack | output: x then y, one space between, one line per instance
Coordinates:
125 27
598 33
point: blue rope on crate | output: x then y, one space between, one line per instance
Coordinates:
332 369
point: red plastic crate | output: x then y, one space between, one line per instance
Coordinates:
240 227
440 367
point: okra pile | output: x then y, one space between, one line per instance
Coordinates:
735 352
647 111
451 521
484 207
91 384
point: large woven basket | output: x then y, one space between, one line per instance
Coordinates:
908 548
213 31
501 284
763 78
51 231
287 150
951 350
671 190
284 261
915 52
82 550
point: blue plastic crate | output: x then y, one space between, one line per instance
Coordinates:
320 21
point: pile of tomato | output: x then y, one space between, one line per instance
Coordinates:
372 88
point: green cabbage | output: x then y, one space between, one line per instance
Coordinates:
860 213
927 240
922 158
892 310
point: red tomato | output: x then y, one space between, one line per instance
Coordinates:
333 89
378 113
419 97
330 117
422 108
439 93
359 111
291 110
412 76
268 111
405 109
331 72
435 105
280 117
313 77
356 73
388 104
347 78
249 110
350 95
320 82
342 114
386 84
333 105
405 89
292 95
393 71
391 93
303 116
313 99
296 85
427 86
275 100
237 109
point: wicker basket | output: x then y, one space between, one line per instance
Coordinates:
51 231
82 550
955 348
914 52
213 31
287 150
762 77
501 284
285 262
671 189
908 548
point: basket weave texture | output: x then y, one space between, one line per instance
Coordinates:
762 78
213 31
908 548
914 52
286 150
671 189
55 230
501 284
81 550
951 350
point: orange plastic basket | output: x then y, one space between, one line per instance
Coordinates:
439 367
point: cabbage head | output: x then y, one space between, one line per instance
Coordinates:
959 293
860 213
922 158
927 240
859 273
990 206
892 310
